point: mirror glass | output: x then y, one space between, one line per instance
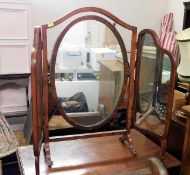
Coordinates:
89 72
154 79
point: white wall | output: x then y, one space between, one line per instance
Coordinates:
177 7
143 14
140 13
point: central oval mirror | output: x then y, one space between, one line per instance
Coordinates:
89 73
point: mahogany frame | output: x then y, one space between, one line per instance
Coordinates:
43 83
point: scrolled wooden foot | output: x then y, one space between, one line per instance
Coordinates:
47 155
127 137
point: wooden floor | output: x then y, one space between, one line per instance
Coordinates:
94 156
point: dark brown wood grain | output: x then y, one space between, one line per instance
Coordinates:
37 95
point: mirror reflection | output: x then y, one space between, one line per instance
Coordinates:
89 72
154 78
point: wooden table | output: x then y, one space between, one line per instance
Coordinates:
99 155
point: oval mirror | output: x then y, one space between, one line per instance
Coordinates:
89 73
154 80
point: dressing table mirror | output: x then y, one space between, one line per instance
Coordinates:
87 73
154 83
83 74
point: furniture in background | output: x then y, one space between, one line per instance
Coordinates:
167 36
186 147
177 130
186 18
21 80
8 142
183 71
166 27
15 47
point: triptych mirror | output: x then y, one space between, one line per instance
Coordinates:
89 68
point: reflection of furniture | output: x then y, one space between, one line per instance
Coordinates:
186 147
111 72
97 54
111 158
183 39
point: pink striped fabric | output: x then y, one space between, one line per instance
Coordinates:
166 27
171 45
167 38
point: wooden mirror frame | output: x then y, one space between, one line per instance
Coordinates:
126 69
37 95
163 138
42 82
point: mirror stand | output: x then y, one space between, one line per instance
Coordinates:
48 75
87 83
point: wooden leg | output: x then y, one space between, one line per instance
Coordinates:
163 149
47 154
127 137
37 165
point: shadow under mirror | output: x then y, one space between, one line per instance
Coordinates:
153 85
89 72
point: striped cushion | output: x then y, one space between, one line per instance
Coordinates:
171 45
166 27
